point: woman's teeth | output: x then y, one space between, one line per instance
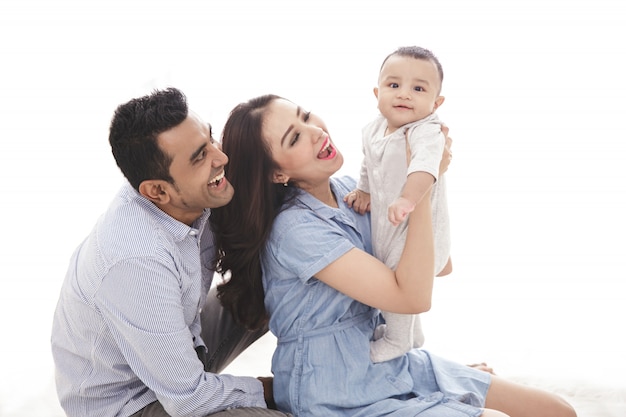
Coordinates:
325 151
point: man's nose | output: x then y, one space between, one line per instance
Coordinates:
219 158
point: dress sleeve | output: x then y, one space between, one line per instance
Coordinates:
307 242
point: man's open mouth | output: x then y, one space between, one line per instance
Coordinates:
215 182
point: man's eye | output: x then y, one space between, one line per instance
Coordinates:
201 155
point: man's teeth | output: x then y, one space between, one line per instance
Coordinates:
216 180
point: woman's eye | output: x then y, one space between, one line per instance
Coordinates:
307 115
295 139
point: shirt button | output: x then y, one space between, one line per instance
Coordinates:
193 233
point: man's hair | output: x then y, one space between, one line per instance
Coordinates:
417 52
134 130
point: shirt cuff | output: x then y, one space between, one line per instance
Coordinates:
251 390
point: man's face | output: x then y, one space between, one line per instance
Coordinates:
197 168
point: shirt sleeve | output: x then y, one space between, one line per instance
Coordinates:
366 136
141 300
427 143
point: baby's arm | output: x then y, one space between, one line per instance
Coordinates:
358 200
417 185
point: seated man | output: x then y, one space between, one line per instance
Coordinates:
136 331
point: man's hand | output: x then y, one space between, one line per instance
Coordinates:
268 391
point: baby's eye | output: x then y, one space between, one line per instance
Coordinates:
394 85
418 89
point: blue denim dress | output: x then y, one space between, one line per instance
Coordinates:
321 365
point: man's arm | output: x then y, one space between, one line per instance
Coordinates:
150 311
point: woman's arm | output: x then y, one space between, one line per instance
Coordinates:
407 290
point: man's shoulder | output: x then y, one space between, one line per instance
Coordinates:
129 228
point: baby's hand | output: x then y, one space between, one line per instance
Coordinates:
358 200
399 209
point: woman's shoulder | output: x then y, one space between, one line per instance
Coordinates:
343 184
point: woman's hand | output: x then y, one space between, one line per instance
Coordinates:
446 158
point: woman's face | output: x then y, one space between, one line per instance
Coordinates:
300 145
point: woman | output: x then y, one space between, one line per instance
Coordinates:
292 246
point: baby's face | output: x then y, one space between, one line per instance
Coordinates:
408 90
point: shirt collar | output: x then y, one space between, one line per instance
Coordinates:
176 228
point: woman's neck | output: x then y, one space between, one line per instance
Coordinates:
323 193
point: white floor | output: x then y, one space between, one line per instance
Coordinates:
590 399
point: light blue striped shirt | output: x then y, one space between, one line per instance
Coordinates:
127 320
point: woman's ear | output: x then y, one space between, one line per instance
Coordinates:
280 178
155 191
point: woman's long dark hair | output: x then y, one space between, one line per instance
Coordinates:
242 226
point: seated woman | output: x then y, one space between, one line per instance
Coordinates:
296 253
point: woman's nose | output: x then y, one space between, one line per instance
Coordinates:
317 133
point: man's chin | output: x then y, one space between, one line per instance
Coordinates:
223 198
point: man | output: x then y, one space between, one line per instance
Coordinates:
135 332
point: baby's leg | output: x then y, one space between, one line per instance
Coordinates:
447 269
418 333
396 341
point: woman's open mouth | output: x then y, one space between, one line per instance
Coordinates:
328 151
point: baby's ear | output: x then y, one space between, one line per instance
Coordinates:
376 91
439 101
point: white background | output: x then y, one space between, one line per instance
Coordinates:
534 100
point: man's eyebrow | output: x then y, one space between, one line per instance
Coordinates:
299 109
197 152
203 146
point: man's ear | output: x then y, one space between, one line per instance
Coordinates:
376 91
155 191
438 102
